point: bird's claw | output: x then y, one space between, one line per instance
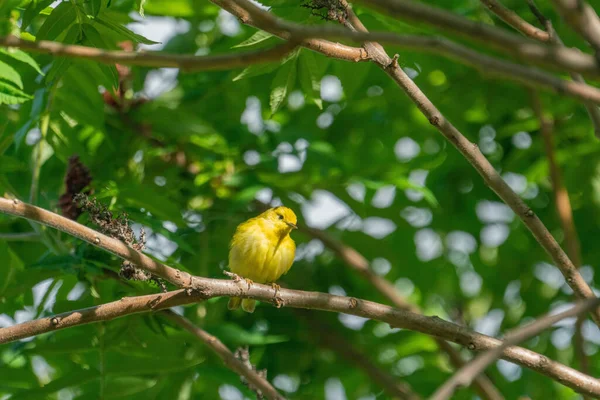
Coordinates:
248 282
275 287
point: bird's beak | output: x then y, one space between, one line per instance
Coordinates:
291 225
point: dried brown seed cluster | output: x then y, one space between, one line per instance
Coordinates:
77 179
333 9
119 228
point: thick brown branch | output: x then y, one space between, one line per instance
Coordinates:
208 288
470 371
153 59
582 18
253 378
525 49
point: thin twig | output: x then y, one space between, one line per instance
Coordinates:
252 376
20 237
592 109
561 196
186 63
513 19
582 18
208 288
564 212
523 48
465 375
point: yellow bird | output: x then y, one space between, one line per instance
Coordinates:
262 250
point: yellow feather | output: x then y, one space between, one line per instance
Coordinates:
262 250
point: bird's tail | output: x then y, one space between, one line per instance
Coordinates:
234 303
248 305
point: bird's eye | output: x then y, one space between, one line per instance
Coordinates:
280 216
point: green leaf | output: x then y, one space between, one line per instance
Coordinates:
61 64
20 55
9 262
309 77
282 84
233 334
33 10
92 7
11 164
258 37
256 70
10 74
121 30
57 22
140 7
11 95
39 101
93 37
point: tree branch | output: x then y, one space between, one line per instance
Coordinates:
592 109
490 176
465 375
513 19
561 196
525 49
20 237
582 18
253 377
527 76
154 59
524 75
564 212
208 288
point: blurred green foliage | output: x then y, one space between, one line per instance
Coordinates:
184 155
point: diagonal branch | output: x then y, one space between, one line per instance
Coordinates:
475 367
208 288
565 215
253 377
474 156
524 49
513 19
582 18
561 196
153 59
